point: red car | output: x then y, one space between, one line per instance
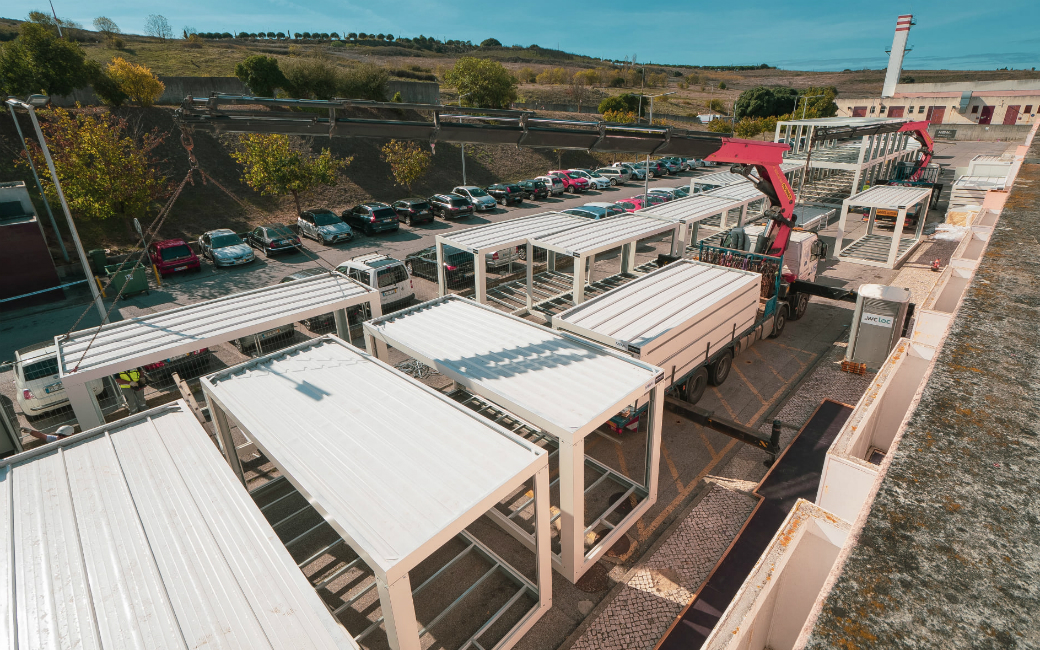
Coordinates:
173 255
571 182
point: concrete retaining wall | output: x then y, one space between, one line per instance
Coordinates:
591 108
989 132
414 92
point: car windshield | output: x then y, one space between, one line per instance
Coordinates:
275 232
175 252
459 202
223 241
326 219
574 175
595 175
43 368
477 192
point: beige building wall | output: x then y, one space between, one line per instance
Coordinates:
991 102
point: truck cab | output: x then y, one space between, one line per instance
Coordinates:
802 258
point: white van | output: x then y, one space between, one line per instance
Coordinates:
37 386
381 272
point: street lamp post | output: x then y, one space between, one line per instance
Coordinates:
463 147
41 100
646 177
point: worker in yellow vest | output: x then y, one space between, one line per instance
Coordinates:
131 385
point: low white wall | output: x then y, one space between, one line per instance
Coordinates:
771 607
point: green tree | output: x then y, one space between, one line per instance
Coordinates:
408 161
363 81
105 86
136 81
260 74
485 83
619 116
490 42
748 127
105 172
720 126
822 105
271 165
626 103
762 101
38 61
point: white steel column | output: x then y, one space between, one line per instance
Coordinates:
628 256
84 404
572 507
859 168
480 277
542 539
653 440
441 284
578 292
530 275
342 324
227 443
841 229
897 236
402 629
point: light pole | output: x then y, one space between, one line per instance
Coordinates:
41 100
646 177
463 148
32 166
806 104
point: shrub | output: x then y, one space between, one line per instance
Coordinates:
487 83
719 126
105 87
408 161
261 75
616 82
137 81
490 42
527 75
553 76
621 116
762 101
627 103
363 81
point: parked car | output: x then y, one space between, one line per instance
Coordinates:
458 264
372 217
324 226
652 199
534 189
598 182
225 248
656 167
480 199
382 272
693 163
273 238
187 366
587 212
555 185
572 181
630 204
451 206
668 192
611 208
506 193
38 389
637 173
673 166
413 211
173 255
616 175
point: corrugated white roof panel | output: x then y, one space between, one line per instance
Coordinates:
888 196
739 191
138 535
981 182
154 337
554 381
692 208
513 231
391 463
719 179
650 306
604 234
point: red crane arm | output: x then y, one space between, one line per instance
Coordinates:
919 131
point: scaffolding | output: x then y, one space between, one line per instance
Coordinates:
396 473
556 390
873 248
114 347
135 534
506 241
838 169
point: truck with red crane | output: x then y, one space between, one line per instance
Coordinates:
784 256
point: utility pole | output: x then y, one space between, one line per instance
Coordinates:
463 147
646 177
39 186
42 100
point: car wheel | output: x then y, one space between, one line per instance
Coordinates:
396 229
369 231
267 251
408 220
613 182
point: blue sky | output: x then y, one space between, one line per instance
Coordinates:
792 34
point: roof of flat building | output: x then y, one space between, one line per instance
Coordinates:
948 555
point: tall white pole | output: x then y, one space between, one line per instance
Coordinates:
39 186
68 215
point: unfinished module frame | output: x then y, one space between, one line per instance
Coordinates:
397 471
873 249
554 388
99 352
713 210
493 237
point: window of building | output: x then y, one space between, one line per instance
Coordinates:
1029 108
975 108
920 109
911 111
873 109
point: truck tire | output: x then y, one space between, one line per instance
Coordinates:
779 322
801 303
694 387
719 371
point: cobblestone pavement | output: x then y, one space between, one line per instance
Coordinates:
657 591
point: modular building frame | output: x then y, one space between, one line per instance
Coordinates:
94 353
398 471
494 237
708 209
558 387
873 249
136 534
583 244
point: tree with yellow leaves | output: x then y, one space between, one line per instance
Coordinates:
137 81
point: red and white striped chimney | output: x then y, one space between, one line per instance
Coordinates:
895 58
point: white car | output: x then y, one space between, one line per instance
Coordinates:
381 272
324 226
638 173
37 386
616 175
554 184
225 248
595 180
480 199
